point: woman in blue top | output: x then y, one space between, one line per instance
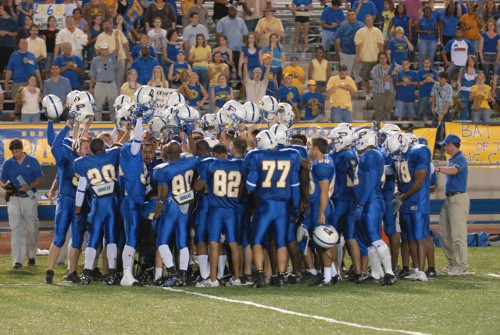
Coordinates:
277 53
179 71
427 28
195 94
170 49
225 52
467 77
489 49
221 93
252 54
449 22
94 31
301 9
400 19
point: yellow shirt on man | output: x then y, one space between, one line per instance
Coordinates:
341 97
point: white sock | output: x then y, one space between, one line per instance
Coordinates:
385 256
158 273
334 270
183 259
340 255
128 257
222 265
202 262
375 263
89 258
166 255
111 253
127 272
314 272
327 275
96 257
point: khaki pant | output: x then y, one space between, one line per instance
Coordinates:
353 67
453 229
23 222
103 92
383 104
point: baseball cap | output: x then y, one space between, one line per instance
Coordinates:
181 52
287 73
103 45
423 140
451 138
311 82
266 55
294 57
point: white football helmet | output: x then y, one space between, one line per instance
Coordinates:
122 100
123 117
175 99
211 141
342 137
70 98
265 140
411 138
252 112
186 114
158 128
164 112
52 105
209 122
396 144
223 119
83 96
366 138
173 125
302 233
325 236
235 111
269 107
145 97
387 130
82 111
286 114
281 133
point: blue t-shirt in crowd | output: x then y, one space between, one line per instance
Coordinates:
144 68
288 94
406 93
366 9
22 65
425 89
29 169
74 78
9 25
172 50
330 16
428 24
399 50
450 24
253 59
403 21
137 49
312 97
346 34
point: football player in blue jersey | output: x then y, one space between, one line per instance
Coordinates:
370 206
133 181
201 212
174 179
274 177
388 189
413 197
321 189
64 156
224 179
100 173
346 168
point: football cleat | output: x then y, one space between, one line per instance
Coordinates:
431 273
261 280
129 280
247 280
207 283
72 277
389 279
370 280
49 277
86 277
113 279
52 106
320 282
233 282
420 276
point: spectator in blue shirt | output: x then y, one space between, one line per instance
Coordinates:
398 47
426 78
144 66
288 93
143 42
7 44
21 175
21 65
70 66
346 47
331 19
364 8
313 101
400 19
56 84
450 16
405 82
427 29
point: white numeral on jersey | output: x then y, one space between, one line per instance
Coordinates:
227 184
270 167
182 183
96 177
403 172
75 180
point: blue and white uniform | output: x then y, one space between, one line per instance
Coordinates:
202 205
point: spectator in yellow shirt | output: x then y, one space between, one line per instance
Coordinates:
297 72
341 88
480 94
472 23
267 25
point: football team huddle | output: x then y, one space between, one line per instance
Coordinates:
256 205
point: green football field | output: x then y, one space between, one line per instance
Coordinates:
446 305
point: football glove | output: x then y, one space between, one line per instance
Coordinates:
188 129
296 216
397 202
359 211
80 221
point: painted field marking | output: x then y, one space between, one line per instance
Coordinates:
493 275
284 311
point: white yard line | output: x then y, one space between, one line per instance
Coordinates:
493 275
310 316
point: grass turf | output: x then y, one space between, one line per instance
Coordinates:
446 305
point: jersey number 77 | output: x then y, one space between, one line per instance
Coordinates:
270 167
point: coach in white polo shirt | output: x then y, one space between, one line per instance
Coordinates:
72 35
459 49
102 74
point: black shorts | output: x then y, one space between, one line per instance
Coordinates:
301 19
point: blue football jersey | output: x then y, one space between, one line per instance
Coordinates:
301 149
370 175
417 158
100 170
134 176
273 173
321 170
346 169
65 156
224 179
178 175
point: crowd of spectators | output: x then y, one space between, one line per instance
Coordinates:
175 45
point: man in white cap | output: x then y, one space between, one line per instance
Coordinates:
102 74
